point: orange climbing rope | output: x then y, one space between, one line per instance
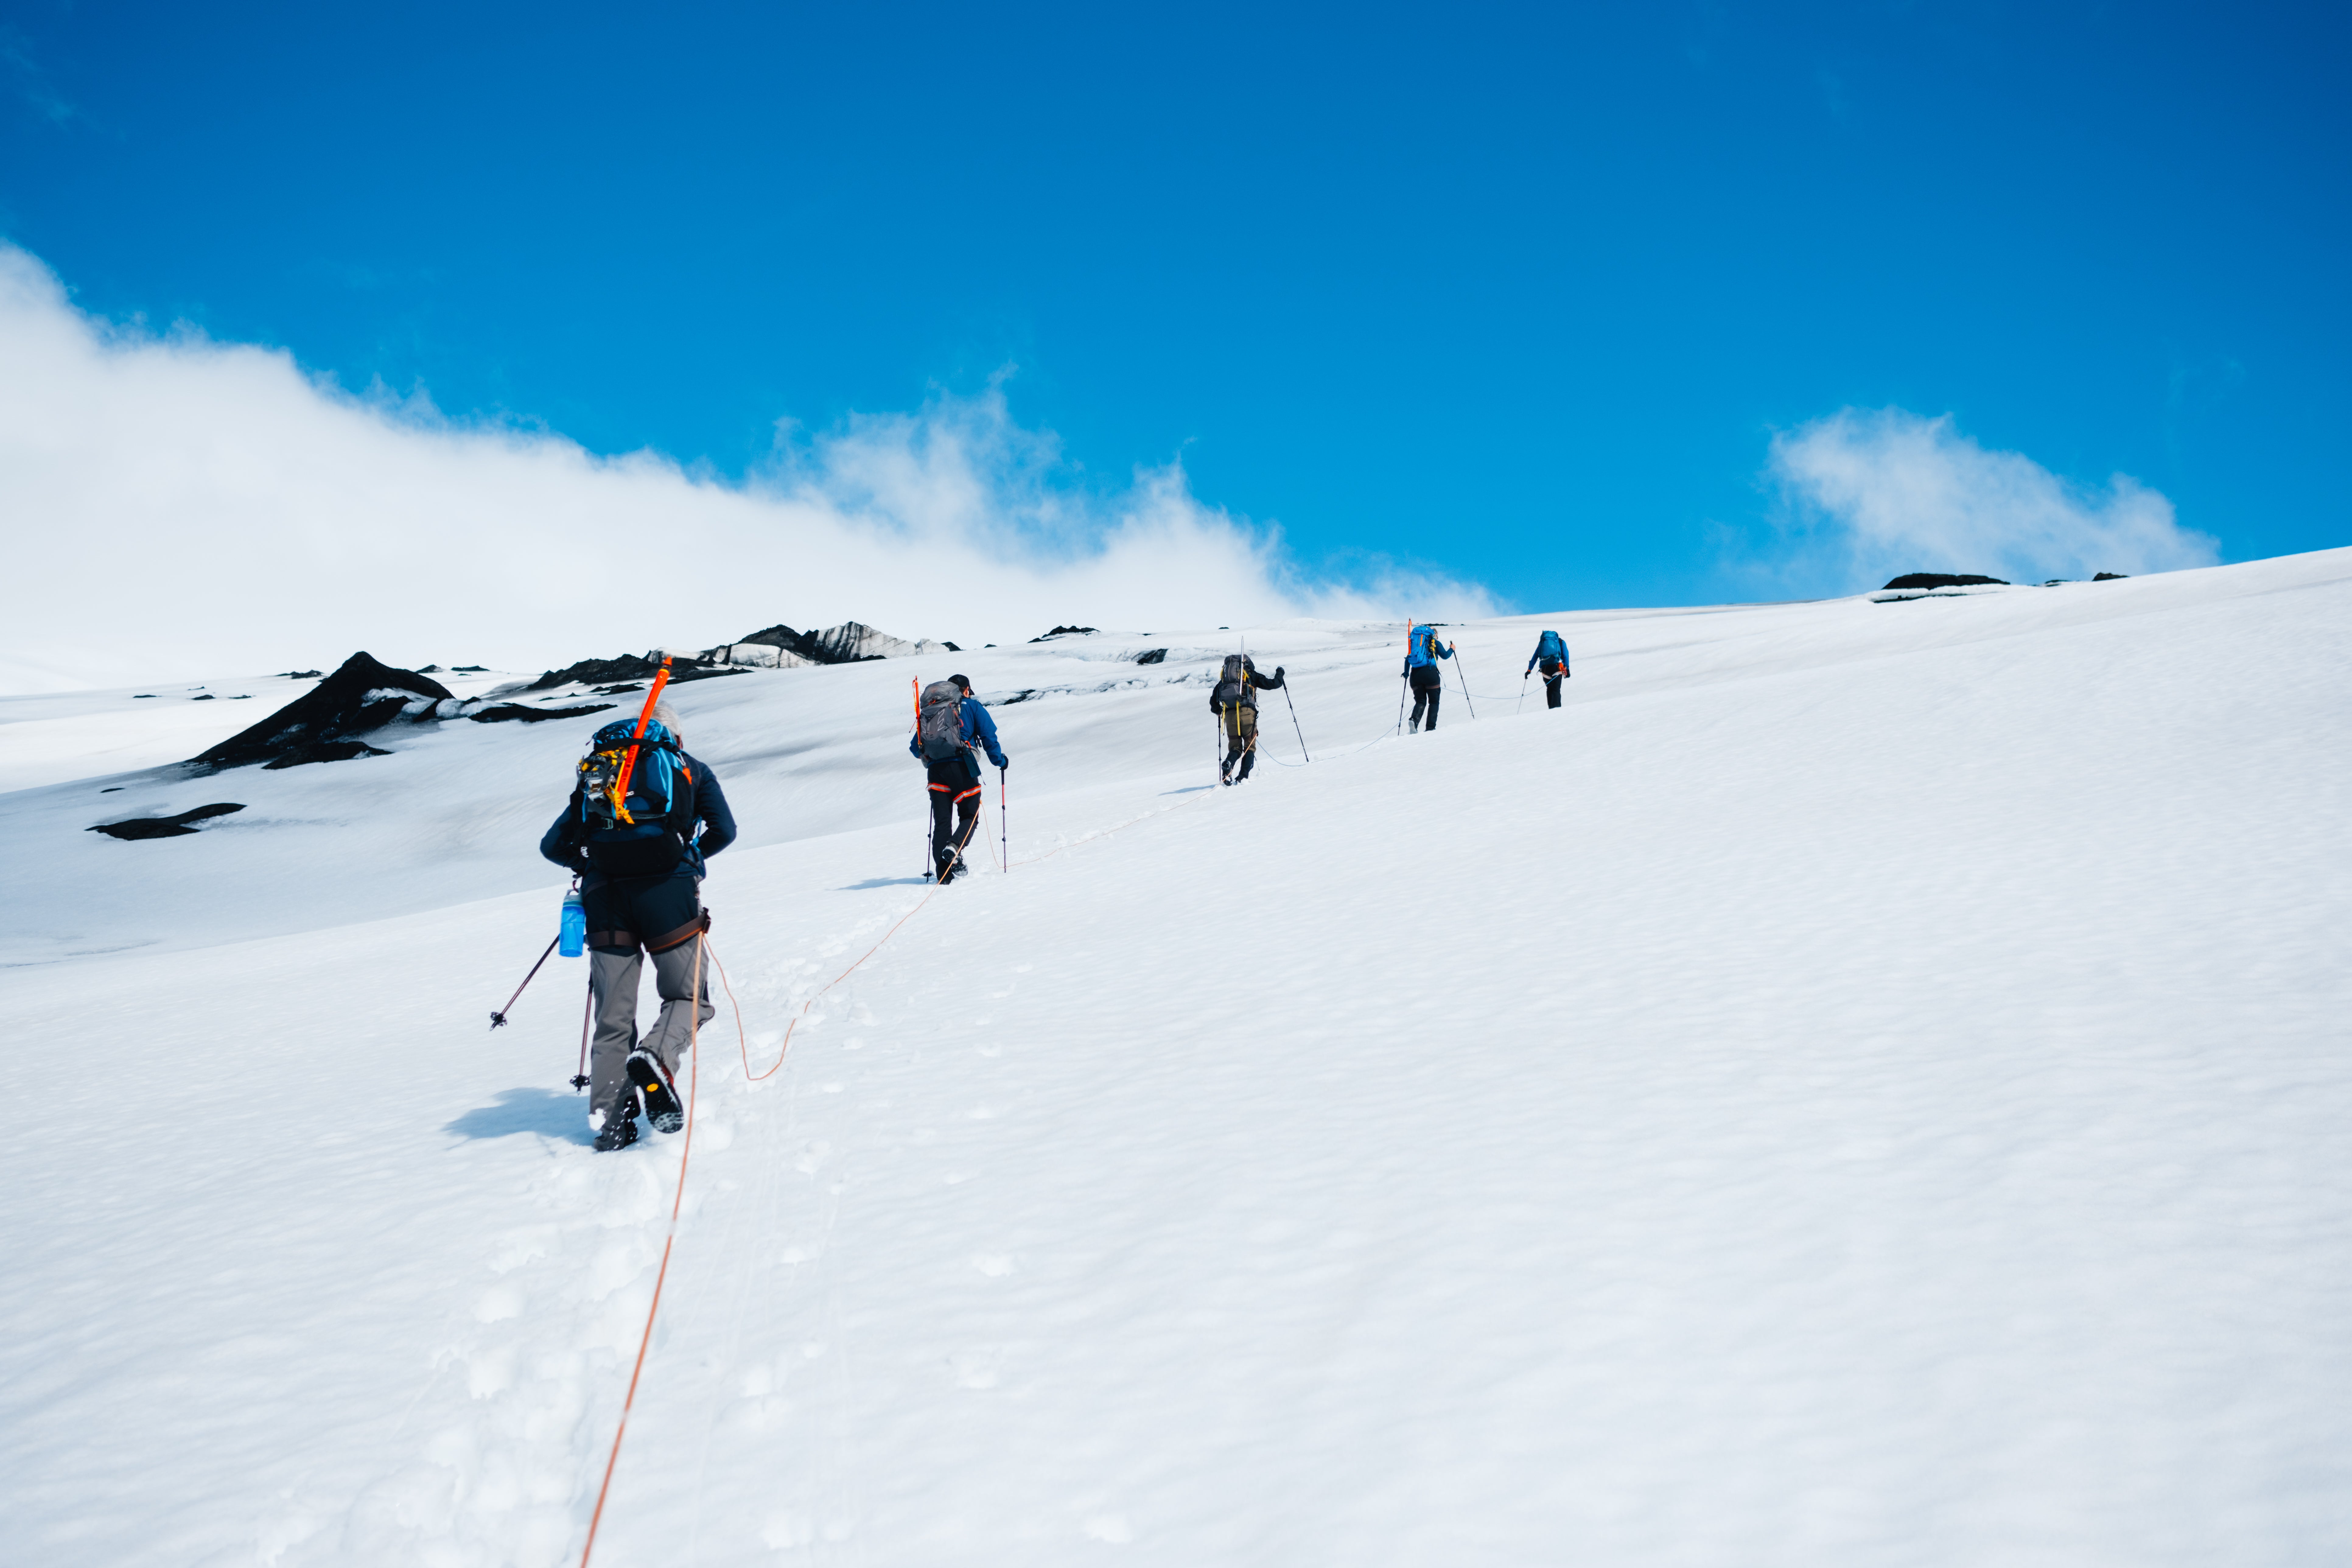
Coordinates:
693 1084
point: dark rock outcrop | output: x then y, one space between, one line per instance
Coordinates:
323 752
506 712
1155 655
610 671
1944 580
2110 576
325 723
1066 632
628 667
164 826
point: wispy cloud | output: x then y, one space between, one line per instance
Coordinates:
1878 491
182 505
32 83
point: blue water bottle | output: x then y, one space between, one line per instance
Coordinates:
575 925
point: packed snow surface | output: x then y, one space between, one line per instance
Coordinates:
1863 1084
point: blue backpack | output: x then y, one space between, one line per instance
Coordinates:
645 835
1548 645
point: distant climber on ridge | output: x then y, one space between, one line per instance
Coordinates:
1234 702
640 867
1551 656
1421 652
949 723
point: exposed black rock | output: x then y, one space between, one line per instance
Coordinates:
432 670
112 789
837 645
1944 580
617 690
470 669
163 826
505 711
323 752
323 723
628 667
1065 631
951 647
301 674
207 697
1156 656
142 696
2110 577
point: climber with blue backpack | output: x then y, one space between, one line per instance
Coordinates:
629 834
1552 658
950 724
1421 652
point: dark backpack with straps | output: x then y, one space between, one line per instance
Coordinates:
645 835
940 721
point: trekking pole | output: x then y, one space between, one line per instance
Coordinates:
1462 674
1406 678
1523 693
1004 826
500 1016
1293 720
587 1012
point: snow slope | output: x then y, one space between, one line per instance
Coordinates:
1864 1084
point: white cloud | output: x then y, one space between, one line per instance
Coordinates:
177 506
1890 492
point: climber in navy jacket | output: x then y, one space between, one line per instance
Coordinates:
1551 656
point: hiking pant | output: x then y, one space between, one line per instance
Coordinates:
1551 674
613 994
955 802
1239 725
1428 686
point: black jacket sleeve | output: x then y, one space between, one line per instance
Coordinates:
711 806
561 842
1265 682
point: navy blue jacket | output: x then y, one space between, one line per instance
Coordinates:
1548 645
563 842
979 729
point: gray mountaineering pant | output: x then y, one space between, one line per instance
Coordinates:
613 991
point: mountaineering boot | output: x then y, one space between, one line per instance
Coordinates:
1413 727
652 1081
620 1128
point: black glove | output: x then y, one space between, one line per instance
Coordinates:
1002 763
1277 672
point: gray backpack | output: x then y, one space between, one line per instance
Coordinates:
1234 688
941 720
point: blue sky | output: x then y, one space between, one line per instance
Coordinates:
1521 292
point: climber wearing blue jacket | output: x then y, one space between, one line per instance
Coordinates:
1421 652
1552 655
953 776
